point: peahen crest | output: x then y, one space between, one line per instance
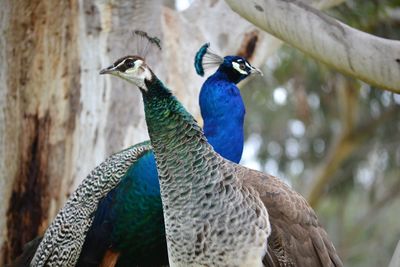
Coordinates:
144 43
205 59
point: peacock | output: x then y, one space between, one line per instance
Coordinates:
128 225
216 212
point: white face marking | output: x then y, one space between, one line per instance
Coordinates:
138 63
236 66
120 64
137 74
248 65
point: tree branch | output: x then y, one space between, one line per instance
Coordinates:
369 58
395 261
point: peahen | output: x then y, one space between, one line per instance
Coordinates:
216 212
129 219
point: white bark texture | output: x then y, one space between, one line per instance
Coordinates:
59 118
369 58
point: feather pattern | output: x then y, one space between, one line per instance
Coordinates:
211 217
63 240
203 193
297 238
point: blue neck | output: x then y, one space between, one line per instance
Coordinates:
223 113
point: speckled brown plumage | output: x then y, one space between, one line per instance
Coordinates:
297 238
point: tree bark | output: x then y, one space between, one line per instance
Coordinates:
369 58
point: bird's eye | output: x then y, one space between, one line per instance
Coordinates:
242 66
130 63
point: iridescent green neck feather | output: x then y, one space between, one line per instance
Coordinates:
200 191
167 119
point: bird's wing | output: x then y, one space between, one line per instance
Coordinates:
297 239
63 240
124 222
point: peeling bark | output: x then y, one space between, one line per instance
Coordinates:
26 212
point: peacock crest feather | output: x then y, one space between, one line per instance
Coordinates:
205 59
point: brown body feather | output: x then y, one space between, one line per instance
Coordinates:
297 238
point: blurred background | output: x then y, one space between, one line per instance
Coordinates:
332 138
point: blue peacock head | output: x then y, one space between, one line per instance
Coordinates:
237 68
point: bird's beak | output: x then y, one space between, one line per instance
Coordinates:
108 70
256 71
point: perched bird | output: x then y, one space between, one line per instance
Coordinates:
128 224
132 212
216 211
221 102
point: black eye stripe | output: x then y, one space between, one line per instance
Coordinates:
123 65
